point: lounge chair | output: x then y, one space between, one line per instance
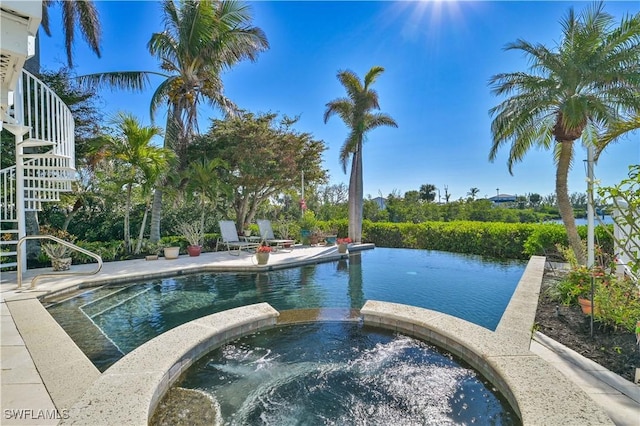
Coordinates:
266 233
230 238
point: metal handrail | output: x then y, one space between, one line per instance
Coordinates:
59 241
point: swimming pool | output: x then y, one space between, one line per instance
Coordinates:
110 321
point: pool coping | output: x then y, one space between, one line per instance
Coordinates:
128 392
120 272
538 392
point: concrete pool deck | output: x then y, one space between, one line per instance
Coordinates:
43 371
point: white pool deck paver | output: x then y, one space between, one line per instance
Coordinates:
25 400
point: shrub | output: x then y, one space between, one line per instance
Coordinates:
617 301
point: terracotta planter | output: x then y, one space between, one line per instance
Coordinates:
585 304
171 252
61 264
262 258
194 251
342 248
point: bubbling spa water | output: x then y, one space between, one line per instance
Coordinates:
332 373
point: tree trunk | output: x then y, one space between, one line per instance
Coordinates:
156 213
564 203
127 230
142 226
68 218
355 196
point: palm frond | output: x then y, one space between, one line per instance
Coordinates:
89 24
44 22
127 80
69 22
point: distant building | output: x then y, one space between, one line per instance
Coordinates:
381 202
502 199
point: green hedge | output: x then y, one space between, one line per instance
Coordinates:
494 239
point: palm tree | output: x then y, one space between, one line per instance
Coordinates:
201 40
473 192
428 192
204 184
80 12
355 111
142 163
589 82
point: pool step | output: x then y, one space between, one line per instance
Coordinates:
110 301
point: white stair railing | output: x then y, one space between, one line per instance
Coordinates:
45 159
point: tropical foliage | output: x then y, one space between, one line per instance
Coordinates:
267 157
201 39
80 14
589 82
135 160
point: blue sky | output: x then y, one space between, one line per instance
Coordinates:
438 57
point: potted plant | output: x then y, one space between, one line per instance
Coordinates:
194 235
342 244
171 252
59 254
152 249
262 253
308 224
316 236
284 230
331 237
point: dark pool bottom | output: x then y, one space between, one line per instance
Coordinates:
335 373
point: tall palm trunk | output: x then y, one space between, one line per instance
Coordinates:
564 203
156 207
127 231
156 213
142 226
355 196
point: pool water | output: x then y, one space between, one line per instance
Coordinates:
337 373
110 321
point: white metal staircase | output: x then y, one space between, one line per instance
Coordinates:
42 127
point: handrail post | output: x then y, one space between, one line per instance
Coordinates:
59 241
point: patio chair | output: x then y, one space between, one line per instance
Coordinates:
230 238
266 233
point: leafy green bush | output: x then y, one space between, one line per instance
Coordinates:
617 302
108 251
504 240
545 237
576 284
